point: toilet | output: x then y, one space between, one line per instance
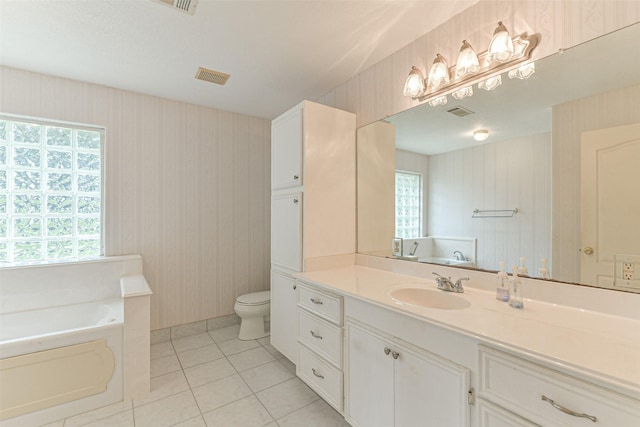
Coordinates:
252 309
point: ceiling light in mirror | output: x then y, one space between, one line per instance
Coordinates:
439 73
441 100
481 135
414 85
523 72
468 62
491 83
463 92
501 46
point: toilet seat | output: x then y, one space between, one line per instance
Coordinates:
254 298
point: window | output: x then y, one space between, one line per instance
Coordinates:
408 204
50 191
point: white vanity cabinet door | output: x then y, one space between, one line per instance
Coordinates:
284 331
286 150
286 231
370 379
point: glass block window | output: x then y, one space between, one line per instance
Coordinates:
50 191
408 204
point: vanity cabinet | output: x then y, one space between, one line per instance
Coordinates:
312 201
394 383
320 338
547 397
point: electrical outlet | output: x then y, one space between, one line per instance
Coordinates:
627 266
627 275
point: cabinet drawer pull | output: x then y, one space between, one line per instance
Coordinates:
387 350
568 411
395 354
317 374
313 334
316 301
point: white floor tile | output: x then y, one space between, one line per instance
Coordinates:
97 414
224 334
219 393
234 346
250 359
208 372
286 397
123 419
168 411
288 364
163 386
192 342
317 414
247 412
265 376
165 365
161 350
200 355
59 423
265 340
193 422
272 351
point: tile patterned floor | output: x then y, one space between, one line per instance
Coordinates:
215 380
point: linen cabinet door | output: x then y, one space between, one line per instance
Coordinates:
286 150
286 231
429 390
370 379
284 330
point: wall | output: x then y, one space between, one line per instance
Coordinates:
502 175
187 187
377 92
615 108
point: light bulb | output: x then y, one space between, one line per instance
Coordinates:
439 73
467 61
481 134
414 85
501 46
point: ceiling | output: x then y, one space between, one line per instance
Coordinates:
523 107
277 52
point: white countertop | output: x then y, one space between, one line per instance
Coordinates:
601 346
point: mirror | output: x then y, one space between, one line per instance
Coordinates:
518 196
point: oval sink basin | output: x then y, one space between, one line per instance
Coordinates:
430 298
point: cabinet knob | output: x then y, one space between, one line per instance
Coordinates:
295 177
387 350
295 287
588 250
295 200
395 354
317 374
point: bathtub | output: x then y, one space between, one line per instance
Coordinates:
37 345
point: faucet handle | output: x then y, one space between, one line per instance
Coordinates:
458 284
441 275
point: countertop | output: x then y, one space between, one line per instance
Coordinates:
601 346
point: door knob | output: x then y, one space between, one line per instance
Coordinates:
588 250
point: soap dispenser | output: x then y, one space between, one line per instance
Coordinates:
544 271
522 270
515 291
502 284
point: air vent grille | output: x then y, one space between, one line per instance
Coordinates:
186 6
212 76
460 111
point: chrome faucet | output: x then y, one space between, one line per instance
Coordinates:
446 284
459 256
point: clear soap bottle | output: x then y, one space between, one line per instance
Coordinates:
544 271
515 291
502 284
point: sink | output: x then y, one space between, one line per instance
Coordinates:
447 261
430 298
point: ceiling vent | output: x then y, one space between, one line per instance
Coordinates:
460 111
186 6
212 76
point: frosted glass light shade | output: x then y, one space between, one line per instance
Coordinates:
414 85
523 72
462 93
439 73
468 62
491 83
441 100
501 46
481 134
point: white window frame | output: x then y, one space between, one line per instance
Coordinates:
401 230
43 215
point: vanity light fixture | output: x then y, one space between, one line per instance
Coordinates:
439 73
501 46
414 85
504 54
481 135
468 62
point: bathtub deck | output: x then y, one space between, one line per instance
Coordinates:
214 379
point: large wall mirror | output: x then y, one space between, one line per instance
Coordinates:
555 187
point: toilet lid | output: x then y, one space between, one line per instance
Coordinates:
255 298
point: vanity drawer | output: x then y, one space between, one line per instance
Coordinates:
321 336
519 386
324 305
325 379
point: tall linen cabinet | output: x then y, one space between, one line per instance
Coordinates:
313 203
